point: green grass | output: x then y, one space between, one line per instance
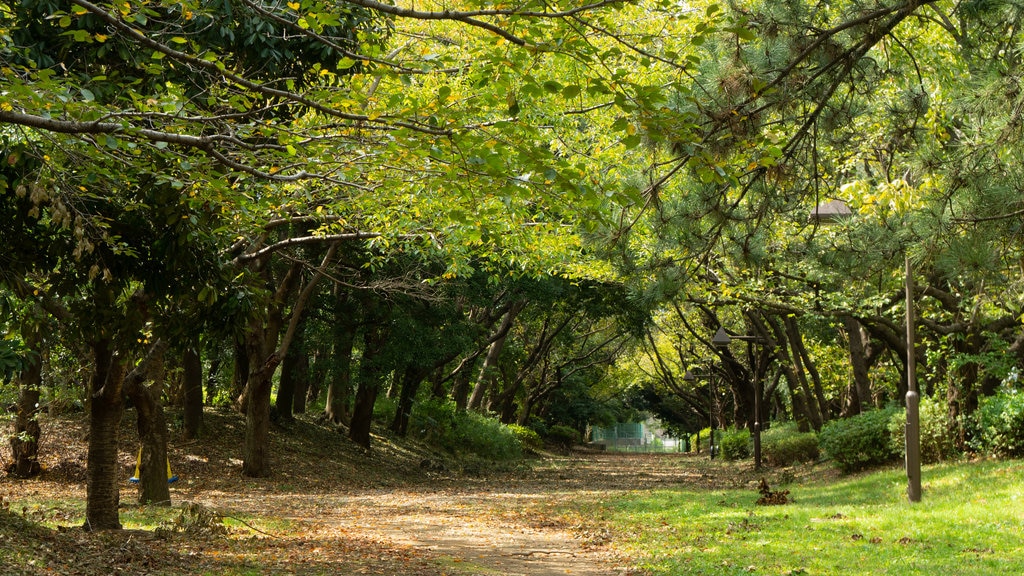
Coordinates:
970 521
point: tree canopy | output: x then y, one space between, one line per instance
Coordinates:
542 210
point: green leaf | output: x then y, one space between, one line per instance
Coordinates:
552 86
571 91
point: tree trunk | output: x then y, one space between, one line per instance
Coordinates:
801 360
103 473
302 383
25 440
859 363
240 378
291 372
460 388
152 426
260 342
488 373
412 377
369 385
192 368
339 388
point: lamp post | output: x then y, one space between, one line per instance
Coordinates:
722 340
691 377
835 211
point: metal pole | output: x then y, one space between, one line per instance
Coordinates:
757 423
913 430
711 413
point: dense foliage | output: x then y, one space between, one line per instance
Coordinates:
860 441
540 213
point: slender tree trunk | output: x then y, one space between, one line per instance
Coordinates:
339 389
302 383
291 368
240 378
103 474
799 360
369 385
859 362
192 368
412 377
25 440
460 388
488 373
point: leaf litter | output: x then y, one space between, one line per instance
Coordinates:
329 507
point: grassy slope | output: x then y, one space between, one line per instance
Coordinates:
971 521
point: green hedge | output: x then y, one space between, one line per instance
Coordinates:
784 445
735 444
860 441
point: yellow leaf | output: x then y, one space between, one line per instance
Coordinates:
293 5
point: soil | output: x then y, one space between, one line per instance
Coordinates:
333 507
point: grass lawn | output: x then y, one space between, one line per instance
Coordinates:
970 521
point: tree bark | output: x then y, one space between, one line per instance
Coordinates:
412 377
369 384
25 440
339 389
192 368
103 473
859 363
488 373
152 427
303 375
285 403
240 377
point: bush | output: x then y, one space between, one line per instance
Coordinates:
999 423
937 436
784 445
564 436
442 424
860 441
703 435
735 444
527 437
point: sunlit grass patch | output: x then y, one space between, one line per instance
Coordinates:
971 521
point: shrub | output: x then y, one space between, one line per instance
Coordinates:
937 437
527 437
704 435
564 436
734 444
999 423
860 441
784 445
442 424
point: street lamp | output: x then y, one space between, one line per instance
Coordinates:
722 340
835 211
710 377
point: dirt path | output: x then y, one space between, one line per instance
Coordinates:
515 524
475 534
331 508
